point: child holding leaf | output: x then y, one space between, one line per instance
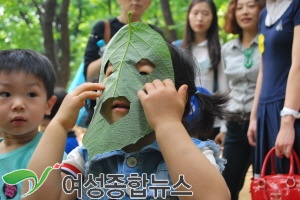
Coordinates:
138 130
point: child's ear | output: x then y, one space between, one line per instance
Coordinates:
50 103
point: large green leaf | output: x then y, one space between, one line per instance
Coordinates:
132 43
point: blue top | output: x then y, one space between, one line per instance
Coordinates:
144 166
177 43
78 78
71 142
278 40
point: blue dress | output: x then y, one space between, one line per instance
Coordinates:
278 40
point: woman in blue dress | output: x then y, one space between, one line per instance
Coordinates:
274 116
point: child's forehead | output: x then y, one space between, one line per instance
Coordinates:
17 76
18 72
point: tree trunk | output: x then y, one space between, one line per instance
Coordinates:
171 33
57 51
47 22
63 72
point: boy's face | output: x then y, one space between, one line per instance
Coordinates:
23 103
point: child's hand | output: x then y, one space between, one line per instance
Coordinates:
73 102
162 103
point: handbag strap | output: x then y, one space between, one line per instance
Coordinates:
296 160
293 159
273 171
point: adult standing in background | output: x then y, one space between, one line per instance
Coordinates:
276 104
92 59
201 39
240 63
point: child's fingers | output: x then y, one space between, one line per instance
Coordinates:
89 95
141 94
148 87
87 90
157 83
168 83
88 86
182 91
79 95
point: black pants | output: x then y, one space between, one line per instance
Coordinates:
239 155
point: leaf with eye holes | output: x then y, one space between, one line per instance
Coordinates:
131 44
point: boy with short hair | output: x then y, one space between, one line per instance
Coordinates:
27 82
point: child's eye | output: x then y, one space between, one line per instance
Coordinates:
144 73
144 67
4 94
32 94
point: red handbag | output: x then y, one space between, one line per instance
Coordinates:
276 186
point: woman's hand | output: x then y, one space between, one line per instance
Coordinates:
162 102
286 137
73 102
220 138
251 134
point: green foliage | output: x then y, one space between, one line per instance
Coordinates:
222 7
20 24
18 27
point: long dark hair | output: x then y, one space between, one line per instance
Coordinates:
213 42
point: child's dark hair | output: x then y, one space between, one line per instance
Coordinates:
211 106
29 62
